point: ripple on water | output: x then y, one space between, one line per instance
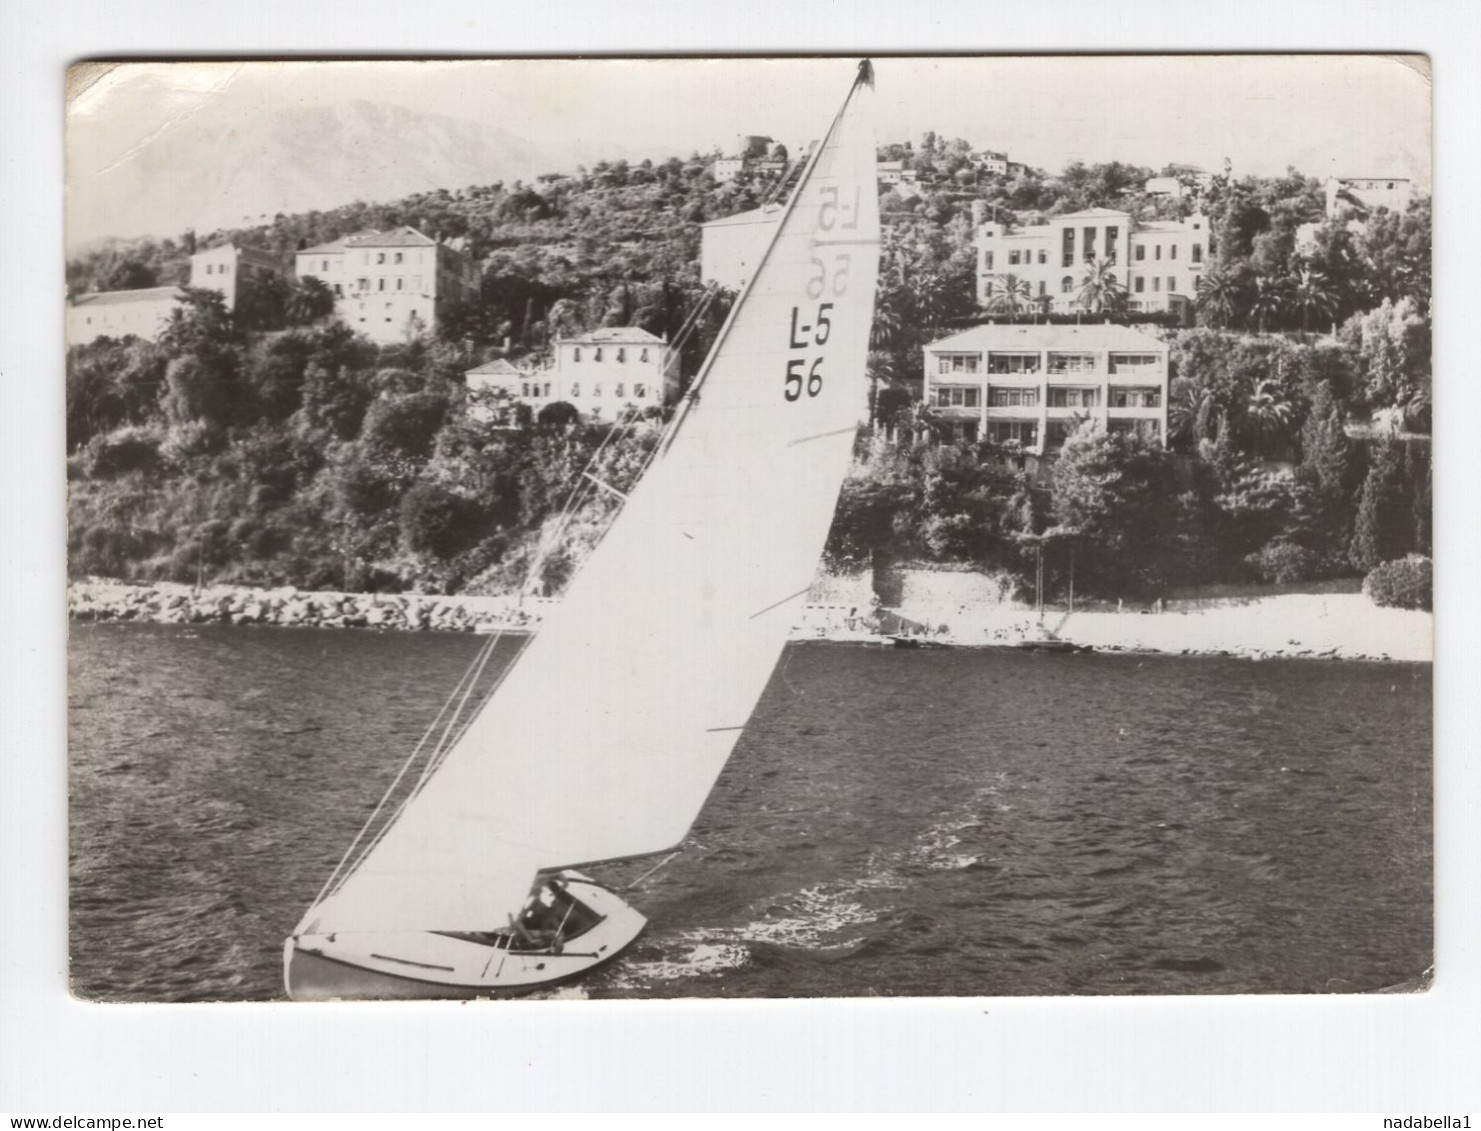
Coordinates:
923 822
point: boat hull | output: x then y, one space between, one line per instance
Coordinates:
423 965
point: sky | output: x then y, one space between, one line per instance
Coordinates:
1325 114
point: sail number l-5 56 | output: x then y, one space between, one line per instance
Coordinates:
804 374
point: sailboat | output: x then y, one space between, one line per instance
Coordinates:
605 736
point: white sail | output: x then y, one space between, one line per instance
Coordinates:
608 734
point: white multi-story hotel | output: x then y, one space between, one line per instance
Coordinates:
1158 262
390 286
1029 385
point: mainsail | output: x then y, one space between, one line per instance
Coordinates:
607 735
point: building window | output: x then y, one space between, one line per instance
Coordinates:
1141 284
1072 363
1068 247
596 355
363 284
1022 432
397 258
999 397
957 396
1111 247
524 388
621 354
1087 245
620 388
640 391
1136 398
1043 255
1157 252
1000 363
399 282
380 284
1156 282
1043 287
1133 362
596 390
1172 282
1013 259
1067 284
1072 398
1198 253
643 356
1172 251
958 362
575 388
547 389
987 261
380 257
1141 252
576 354
326 265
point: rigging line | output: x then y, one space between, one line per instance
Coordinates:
391 789
470 680
822 435
443 745
687 326
651 870
778 604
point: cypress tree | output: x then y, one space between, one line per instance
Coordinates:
1383 529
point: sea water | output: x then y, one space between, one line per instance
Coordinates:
922 822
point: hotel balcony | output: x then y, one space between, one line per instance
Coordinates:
1137 374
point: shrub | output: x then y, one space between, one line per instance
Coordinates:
1402 584
1285 562
124 450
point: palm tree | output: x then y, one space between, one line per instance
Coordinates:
1218 295
1267 412
1311 293
1193 412
1008 294
1269 298
1101 292
309 300
884 331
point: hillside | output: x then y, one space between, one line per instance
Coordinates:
289 452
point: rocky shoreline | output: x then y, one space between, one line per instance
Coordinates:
1314 626
169 603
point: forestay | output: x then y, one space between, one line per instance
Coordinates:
608 734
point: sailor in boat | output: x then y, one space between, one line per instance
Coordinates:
542 925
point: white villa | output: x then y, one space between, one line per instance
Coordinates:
1029 385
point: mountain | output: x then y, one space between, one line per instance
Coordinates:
220 166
